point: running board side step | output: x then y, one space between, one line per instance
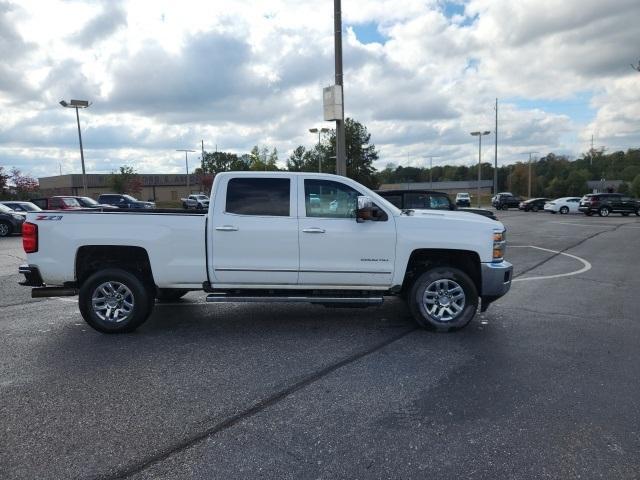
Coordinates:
365 301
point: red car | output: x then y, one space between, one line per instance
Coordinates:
57 203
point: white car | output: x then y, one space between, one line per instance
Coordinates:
463 199
563 205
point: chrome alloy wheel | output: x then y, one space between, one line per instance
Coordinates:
4 229
444 300
112 302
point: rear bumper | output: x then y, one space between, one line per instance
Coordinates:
32 277
496 279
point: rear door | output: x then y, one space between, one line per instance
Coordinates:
254 231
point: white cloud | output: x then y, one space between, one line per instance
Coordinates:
163 75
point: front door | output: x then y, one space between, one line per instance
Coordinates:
254 231
335 250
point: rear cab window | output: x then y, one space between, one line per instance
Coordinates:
259 196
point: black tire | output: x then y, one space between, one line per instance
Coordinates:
604 211
564 210
452 276
170 294
139 296
534 208
5 229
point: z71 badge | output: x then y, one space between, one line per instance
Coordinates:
48 217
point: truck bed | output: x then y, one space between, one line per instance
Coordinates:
173 239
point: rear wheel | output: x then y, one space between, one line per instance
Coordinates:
534 208
443 299
564 210
115 301
5 229
604 212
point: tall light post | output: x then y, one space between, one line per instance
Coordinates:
479 135
79 104
319 131
186 162
529 188
431 157
341 140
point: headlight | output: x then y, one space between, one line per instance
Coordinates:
499 244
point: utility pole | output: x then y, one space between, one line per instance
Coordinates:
202 158
529 188
495 160
479 134
431 157
341 147
186 162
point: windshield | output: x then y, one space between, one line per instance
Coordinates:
5 209
129 198
30 207
202 197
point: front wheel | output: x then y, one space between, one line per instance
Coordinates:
443 299
534 208
115 301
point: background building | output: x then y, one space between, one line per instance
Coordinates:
453 187
159 188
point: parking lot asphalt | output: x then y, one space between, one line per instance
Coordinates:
543 385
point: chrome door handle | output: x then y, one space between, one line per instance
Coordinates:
313 230
227 228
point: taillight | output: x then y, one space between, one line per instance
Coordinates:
29 237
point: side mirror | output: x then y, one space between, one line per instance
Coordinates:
364 210
367 211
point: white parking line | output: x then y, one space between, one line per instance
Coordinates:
585 268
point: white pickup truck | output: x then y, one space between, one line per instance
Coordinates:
269 237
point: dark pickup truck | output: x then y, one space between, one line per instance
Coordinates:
428 200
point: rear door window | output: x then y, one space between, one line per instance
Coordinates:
259 196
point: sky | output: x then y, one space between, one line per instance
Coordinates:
421 75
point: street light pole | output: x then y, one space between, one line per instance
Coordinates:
495 161
79 104
186 162
479 135
319 131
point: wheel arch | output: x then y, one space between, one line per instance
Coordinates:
422 259
92 258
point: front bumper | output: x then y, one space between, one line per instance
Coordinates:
496 279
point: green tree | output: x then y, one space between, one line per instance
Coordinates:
635 187
216 162
125 181
623 188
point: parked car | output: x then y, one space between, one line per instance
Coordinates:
10 221
124 201
21 207
533 204
606 203
428 200
350 247
88 202
198 201
57 203
463 199
504 201
563 205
